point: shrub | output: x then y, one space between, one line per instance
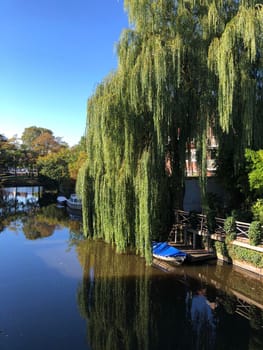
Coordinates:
257 210
247 255
255 233
230 227
211 221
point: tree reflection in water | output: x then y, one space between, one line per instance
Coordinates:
114 298
129 306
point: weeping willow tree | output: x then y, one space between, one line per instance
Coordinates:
184 67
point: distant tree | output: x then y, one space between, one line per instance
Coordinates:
62 143
42 140
54 166
3 146
31 133
14 155
78 155
76 164
2 139
10 153
45 143
29 159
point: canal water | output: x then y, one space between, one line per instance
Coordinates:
61 291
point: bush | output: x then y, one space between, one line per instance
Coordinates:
230 227
247 255
211 221
255 233
257 210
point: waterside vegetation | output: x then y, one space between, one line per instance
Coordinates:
184 67
40 158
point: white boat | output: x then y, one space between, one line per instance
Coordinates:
61 200
73 202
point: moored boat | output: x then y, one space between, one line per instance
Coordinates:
61 200
73 202
166 252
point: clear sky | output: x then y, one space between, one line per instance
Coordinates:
53 53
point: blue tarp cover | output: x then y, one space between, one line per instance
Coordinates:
164 249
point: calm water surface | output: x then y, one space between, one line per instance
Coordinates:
60 291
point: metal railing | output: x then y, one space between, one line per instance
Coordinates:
184 218
242 229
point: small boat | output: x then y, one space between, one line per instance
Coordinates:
61 200
74 202
168 253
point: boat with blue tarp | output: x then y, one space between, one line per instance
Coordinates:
164 251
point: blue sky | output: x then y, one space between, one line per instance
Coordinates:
53 53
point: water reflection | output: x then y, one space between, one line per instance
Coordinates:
23 203
125 304
115 298
43 222
22 194
134 307
13 199
203 319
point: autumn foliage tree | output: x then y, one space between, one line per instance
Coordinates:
45 144
41 140
54 166
62 167
42 153
78 156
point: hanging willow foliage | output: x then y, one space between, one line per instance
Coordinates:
184 66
